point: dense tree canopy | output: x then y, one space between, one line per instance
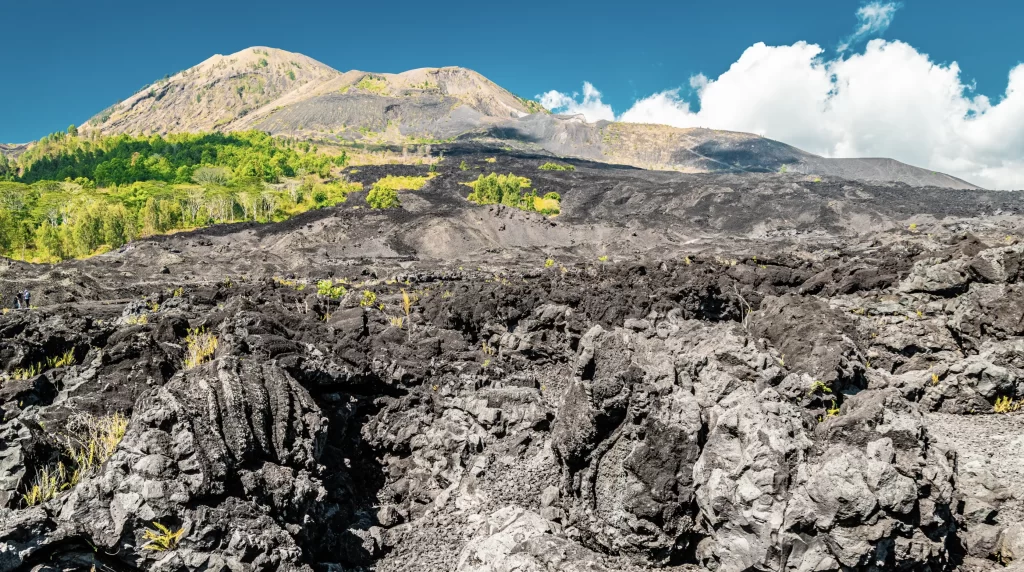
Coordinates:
76 196
122 159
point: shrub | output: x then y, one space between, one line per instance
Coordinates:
500 189
381 197
369 299
556 167
546 206
463 166
328 289
200 346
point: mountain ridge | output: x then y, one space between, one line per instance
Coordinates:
293 95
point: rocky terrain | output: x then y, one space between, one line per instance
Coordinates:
719 371
292 95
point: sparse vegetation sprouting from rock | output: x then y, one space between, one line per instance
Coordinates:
88 443
200 345
162 538
549 166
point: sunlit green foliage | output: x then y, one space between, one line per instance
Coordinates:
79 196
382 197
513 191
122 159
49 221
549 166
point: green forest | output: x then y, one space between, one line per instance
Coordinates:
73 196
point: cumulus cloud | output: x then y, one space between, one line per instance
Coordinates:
889 100
872 19
589 107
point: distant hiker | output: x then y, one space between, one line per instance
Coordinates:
28 298
17 301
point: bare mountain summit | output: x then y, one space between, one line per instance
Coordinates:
284 92
291 94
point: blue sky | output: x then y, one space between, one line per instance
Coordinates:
65 60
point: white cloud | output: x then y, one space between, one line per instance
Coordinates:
888 100
873 18
590 107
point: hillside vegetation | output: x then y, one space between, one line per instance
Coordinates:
512 191
72 196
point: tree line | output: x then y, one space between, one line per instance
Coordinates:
123 159
70 196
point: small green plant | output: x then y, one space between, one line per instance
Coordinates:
1005 404
602 258
463 166
24 373
834 410
137 320
330 289
446 294
556 167
935 379
487 349
397 321
406 303
549 263
368 300
162 539
46 485
63 360
819 386
177 292
200 345
382 197
913 226
491 160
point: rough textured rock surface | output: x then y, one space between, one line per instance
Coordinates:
730 389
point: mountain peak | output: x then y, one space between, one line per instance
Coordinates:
285 92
